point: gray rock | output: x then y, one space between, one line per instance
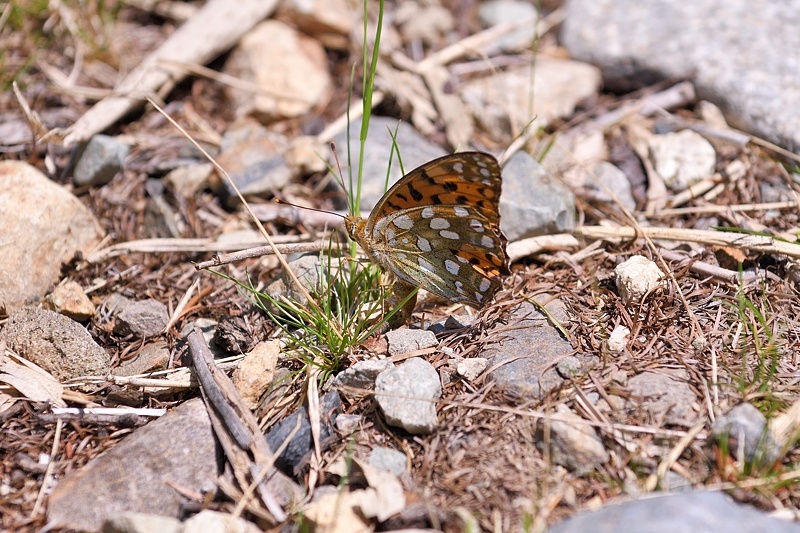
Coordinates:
348 424
99 161
361 375
531 348
459 321
154 356
674 482
744 429
574 446
409 340
252 156
569 367
664 395
44 226
533 202
740 54
142 318
415 150
615 180
407 395
178 449
329 405
56 343
388 460
686 512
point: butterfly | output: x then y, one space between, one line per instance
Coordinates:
438 228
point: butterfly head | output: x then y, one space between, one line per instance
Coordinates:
356 228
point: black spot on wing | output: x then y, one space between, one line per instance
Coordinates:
415 194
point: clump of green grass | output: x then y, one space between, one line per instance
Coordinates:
349 307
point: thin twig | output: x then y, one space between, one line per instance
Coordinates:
756 243
48 475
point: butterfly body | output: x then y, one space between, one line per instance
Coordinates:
438 228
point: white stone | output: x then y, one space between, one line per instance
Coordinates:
472 367
682 158
636 277
618 340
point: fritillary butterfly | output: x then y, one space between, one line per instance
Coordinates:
438 228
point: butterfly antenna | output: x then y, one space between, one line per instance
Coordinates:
284 202
340 175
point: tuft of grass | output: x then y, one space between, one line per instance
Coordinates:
350 304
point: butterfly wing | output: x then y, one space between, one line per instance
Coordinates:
462 179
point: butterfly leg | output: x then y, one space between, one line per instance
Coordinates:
400 291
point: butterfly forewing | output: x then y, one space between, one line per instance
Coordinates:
467 178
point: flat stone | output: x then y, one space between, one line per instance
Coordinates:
741 64
309 271
135 475
256 372
274 47
407 395
532 202
524 356
100 160
208 521
253 158
56 343
500 103
569 367
614 180
44 226
388 460
187 180
695 511
575 446
509 11
154 356
69 300
142 318
663 395
410 340
131 522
